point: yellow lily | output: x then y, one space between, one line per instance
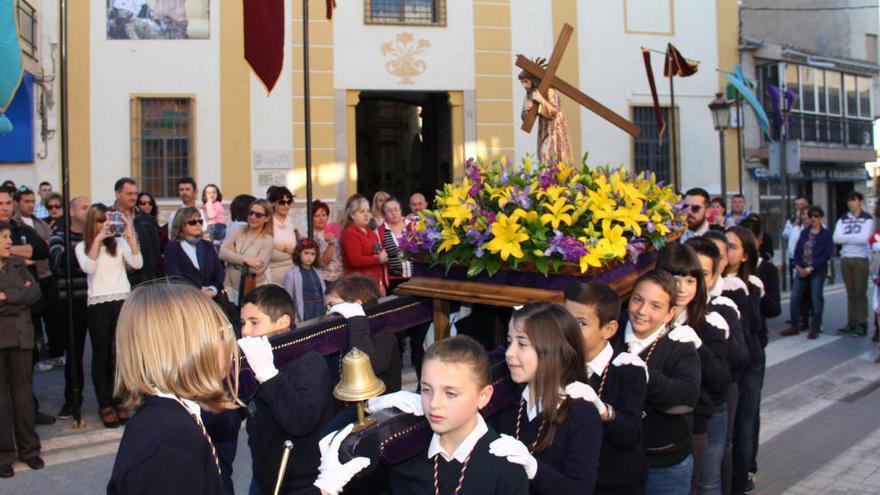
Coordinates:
450 239
589 259
530 216
457 204
557 213
612 244
507 238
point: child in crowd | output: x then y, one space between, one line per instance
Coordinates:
292 403
18 292
304 283
556 439
456 384
712 332
212 201
174 348
674 385
617 386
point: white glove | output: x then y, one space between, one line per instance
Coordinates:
407 402
258 352
628 359
685 333
580 390
516 452
333 474
348 309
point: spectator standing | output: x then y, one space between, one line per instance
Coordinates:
192 258
796 220
379 199
186 191
417 203
717 211
811 256
853 233
73 377
305 283
18 291
145 227
284 233
390 232
238 212
327 236
361 249
738 211
103 258
696 202
215 218
249 246
55 207
146 203
25 200
40 210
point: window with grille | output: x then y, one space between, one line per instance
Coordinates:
415 12
27 28
162 143
650 150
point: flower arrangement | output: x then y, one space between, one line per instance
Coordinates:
547 216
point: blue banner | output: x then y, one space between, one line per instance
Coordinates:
11 68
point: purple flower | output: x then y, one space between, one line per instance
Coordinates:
571 249
521 197
548 176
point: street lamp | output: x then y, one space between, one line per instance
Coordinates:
720 109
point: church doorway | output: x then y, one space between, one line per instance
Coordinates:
404 143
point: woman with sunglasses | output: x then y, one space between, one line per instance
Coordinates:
190 257
284 233
146 203
250 245
56 212
812 253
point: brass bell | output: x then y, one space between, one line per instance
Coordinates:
357 384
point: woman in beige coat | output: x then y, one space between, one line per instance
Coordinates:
250 245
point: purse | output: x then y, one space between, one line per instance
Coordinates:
247 283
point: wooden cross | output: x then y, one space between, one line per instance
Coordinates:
548 79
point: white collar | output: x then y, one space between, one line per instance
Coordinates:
681 319
532 410
702 229
636 344
598 364
191 406
717 290
464 448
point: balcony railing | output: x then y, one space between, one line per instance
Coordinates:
831 131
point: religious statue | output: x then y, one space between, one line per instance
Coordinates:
553 143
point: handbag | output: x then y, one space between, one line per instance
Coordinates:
247 283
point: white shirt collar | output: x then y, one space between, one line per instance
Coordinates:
600 362
637 345
681 319
464 448
191 406
532 410
717 290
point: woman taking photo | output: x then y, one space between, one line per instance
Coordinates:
175 352
390 232
190 257
249 246
361 250
327 235
284 233
103 255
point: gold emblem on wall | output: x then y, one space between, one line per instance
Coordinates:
404 50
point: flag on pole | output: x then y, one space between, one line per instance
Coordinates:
331 4
677 65
744 85
264 39
11 68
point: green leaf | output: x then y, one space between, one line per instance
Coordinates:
476 266
449 261
516 262
493 264
543 265
555 264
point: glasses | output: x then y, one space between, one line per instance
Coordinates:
144 203
815 215
53 207
695 208
284 202
195 221
257 214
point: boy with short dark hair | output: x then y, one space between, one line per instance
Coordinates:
617 387
291 403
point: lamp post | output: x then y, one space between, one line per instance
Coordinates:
720 109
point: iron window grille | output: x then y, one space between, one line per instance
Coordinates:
162 143
407 12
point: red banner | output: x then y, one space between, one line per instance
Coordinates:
264 39
661 125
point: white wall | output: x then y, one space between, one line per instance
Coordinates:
122 68
358 62
612 72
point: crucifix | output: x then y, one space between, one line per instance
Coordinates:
547 80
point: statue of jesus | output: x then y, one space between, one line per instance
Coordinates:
553 143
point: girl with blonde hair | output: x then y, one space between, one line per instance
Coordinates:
174 353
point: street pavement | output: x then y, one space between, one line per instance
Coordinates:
820 432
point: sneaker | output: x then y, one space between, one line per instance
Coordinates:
750 484
848 329
35 462
860 330
813 335
59 362
43 366
66 411
6 471
788 332
44 419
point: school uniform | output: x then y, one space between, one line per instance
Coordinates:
293 405
164 450
486 473
622 461
672 393
570 464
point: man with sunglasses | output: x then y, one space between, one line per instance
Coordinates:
696 203
146 228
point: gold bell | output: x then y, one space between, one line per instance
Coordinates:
357 384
